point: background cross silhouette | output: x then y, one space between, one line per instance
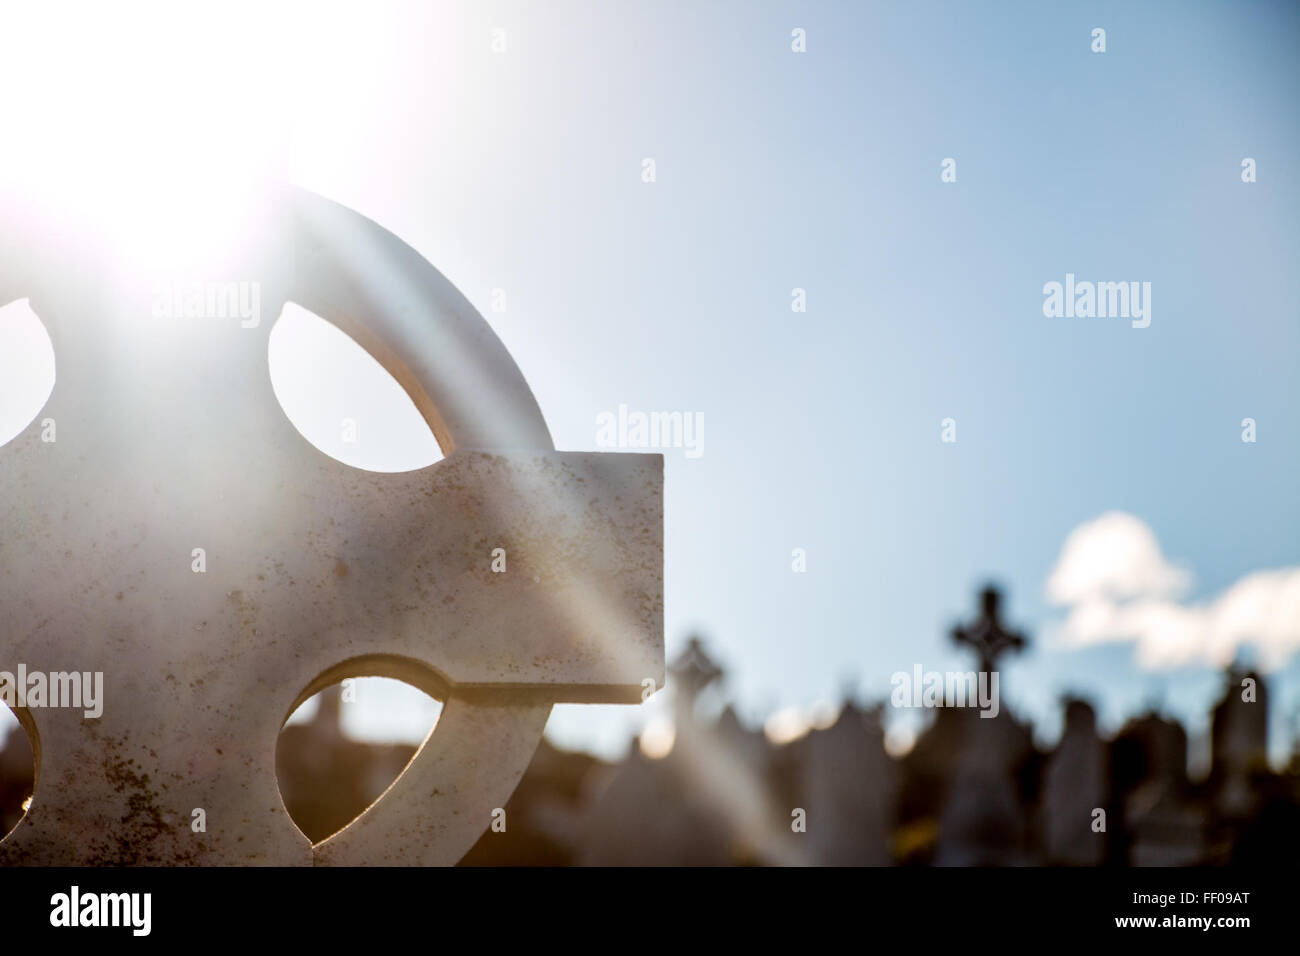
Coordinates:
987 637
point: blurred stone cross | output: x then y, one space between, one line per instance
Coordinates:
987 637
692 672
981 823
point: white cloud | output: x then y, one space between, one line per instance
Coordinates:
1115 556
1118 587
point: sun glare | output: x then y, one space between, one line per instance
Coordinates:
155 125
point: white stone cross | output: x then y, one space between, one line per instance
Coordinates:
169 439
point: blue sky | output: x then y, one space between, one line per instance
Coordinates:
522 171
